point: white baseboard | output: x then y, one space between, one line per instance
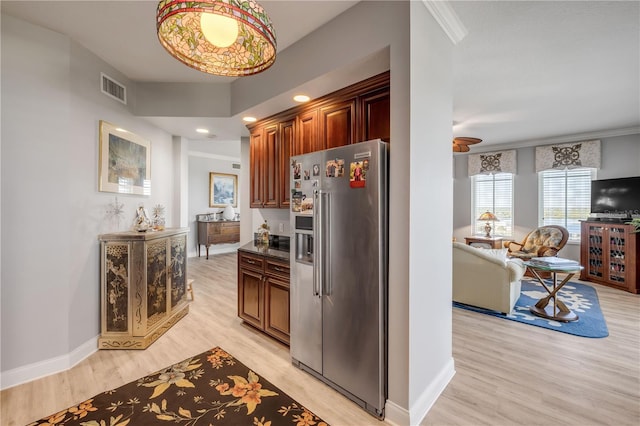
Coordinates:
395 414
424 403
399 416
37 370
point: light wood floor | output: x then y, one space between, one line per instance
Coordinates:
507 373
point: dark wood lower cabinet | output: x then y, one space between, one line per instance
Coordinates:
263 293
250 297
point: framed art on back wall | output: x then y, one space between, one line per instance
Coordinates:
125 161
223 190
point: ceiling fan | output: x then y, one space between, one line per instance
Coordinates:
461 144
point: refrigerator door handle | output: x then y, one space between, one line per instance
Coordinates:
325 260
317 246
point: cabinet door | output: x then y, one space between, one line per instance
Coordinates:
270 170
374 115
116 285
158 303
178 268
250 297
592 252
256 168
617 253
285 149
337 124
307 140
276 300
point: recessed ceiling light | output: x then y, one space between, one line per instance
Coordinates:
249 119
301 98
201 130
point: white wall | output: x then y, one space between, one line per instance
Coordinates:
52 211
431 363
620 158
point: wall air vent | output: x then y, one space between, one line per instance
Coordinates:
112 88
236 165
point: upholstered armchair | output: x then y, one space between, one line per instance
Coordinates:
486 278
543 241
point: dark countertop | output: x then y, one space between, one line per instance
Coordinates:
278 253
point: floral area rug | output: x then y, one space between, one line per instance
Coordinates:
212 388
580 298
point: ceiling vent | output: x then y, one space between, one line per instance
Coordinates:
236 165
112 88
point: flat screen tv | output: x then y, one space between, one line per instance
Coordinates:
617 196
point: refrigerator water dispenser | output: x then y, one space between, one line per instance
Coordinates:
304 239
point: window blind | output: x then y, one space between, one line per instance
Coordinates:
565 198
493 193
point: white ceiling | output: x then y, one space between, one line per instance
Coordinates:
525 72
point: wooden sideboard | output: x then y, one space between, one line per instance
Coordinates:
143 279
217 232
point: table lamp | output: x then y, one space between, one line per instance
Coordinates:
488 217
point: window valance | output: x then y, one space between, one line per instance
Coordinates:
568 156
492 162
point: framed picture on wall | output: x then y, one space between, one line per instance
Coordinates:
125 161
223 190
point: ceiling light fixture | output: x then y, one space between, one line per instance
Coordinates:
201 130
301 98
249 119
223 37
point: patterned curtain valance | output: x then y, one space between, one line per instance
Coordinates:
568 156
492 162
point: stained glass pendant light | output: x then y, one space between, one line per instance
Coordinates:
222 37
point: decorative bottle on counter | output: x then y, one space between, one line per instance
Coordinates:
264 231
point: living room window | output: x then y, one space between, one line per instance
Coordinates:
494 193
565 198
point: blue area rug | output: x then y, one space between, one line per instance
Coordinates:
580 298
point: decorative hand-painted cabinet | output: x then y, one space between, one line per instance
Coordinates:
142 286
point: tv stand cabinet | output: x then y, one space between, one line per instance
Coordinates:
609 254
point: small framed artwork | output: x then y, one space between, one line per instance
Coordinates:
125 161
223 190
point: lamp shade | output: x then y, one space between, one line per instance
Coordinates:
222 37
487 217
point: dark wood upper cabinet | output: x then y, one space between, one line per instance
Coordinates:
287 138
337 124
356 113
307 138
255 168
375 112
271 160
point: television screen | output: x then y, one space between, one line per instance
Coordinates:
620 196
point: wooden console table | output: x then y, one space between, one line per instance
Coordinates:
143 284
493 242
217 232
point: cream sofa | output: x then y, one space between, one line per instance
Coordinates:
486 278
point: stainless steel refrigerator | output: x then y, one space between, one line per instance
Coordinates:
339 264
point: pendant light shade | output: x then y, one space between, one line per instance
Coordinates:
222 37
